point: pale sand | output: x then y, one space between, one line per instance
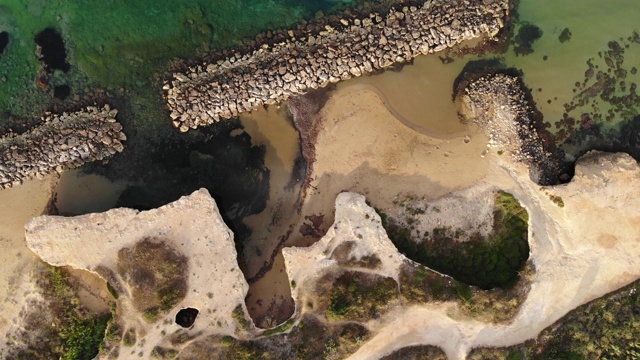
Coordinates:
419 95
20 266
364 148
17 206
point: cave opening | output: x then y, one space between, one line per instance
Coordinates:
186 317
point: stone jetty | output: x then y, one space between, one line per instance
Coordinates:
498 104
308 59
63 141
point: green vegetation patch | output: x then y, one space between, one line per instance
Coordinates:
129 338
420 352
156 275
420 285
159 352
557 200
240 317
357 296
342 255
280 328
63 329
311 338
483 262
113 335
606 328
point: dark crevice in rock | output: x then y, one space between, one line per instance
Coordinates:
186 317
53 52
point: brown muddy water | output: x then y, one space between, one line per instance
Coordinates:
269 298
420 95
78 193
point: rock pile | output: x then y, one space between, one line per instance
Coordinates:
311 59
498 104
61 142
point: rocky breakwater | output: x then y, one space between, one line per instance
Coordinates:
62 142
315 56
498 104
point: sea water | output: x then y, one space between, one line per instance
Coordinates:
121 43
421 93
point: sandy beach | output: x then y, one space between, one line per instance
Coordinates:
386 158
20 266
17 206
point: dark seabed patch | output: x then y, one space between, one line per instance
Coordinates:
53 51
61 92
4 41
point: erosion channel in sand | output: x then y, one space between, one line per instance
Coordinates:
273 129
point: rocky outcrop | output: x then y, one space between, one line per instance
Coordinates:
356 224
498 104
62 142
191 228
312 59
573 243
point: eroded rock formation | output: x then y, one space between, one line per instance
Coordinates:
357 225
568 249
312 59
191 229
62 142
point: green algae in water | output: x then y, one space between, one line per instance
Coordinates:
592 25
117 43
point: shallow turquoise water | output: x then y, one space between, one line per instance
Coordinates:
593 24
